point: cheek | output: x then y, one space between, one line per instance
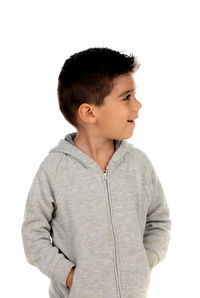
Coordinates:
121 113
114 114
116 118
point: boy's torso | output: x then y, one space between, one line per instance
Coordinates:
99 224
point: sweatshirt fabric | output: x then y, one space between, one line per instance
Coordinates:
114 227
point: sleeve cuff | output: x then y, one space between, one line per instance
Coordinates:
152 258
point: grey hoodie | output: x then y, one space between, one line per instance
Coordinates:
113 227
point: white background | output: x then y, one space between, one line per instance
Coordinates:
36 38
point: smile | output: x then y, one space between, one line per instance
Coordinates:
131 122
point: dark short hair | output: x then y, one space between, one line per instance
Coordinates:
87 77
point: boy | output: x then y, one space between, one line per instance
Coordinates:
96 219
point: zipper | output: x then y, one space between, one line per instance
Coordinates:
116 267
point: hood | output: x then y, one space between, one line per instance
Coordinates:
67 146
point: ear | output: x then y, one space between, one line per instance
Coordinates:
87 113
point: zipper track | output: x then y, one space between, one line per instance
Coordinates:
106 180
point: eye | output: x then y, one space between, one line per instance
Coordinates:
127 97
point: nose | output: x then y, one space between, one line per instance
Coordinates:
140 105
137 105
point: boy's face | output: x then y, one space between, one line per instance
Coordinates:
112 118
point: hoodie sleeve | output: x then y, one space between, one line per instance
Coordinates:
36 227
158 224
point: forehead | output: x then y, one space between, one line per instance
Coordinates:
123 83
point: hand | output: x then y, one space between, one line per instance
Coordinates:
70 278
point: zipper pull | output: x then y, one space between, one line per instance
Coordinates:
105 174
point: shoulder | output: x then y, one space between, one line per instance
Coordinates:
50 163
149 171
144 163
52 159
140 156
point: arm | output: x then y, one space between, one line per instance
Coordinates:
35 229
158 224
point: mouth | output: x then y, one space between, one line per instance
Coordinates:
131 122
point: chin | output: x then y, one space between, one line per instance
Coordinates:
124 137
129 135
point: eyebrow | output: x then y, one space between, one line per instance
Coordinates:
126 91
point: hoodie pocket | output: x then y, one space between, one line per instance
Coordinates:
86 284
135 277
